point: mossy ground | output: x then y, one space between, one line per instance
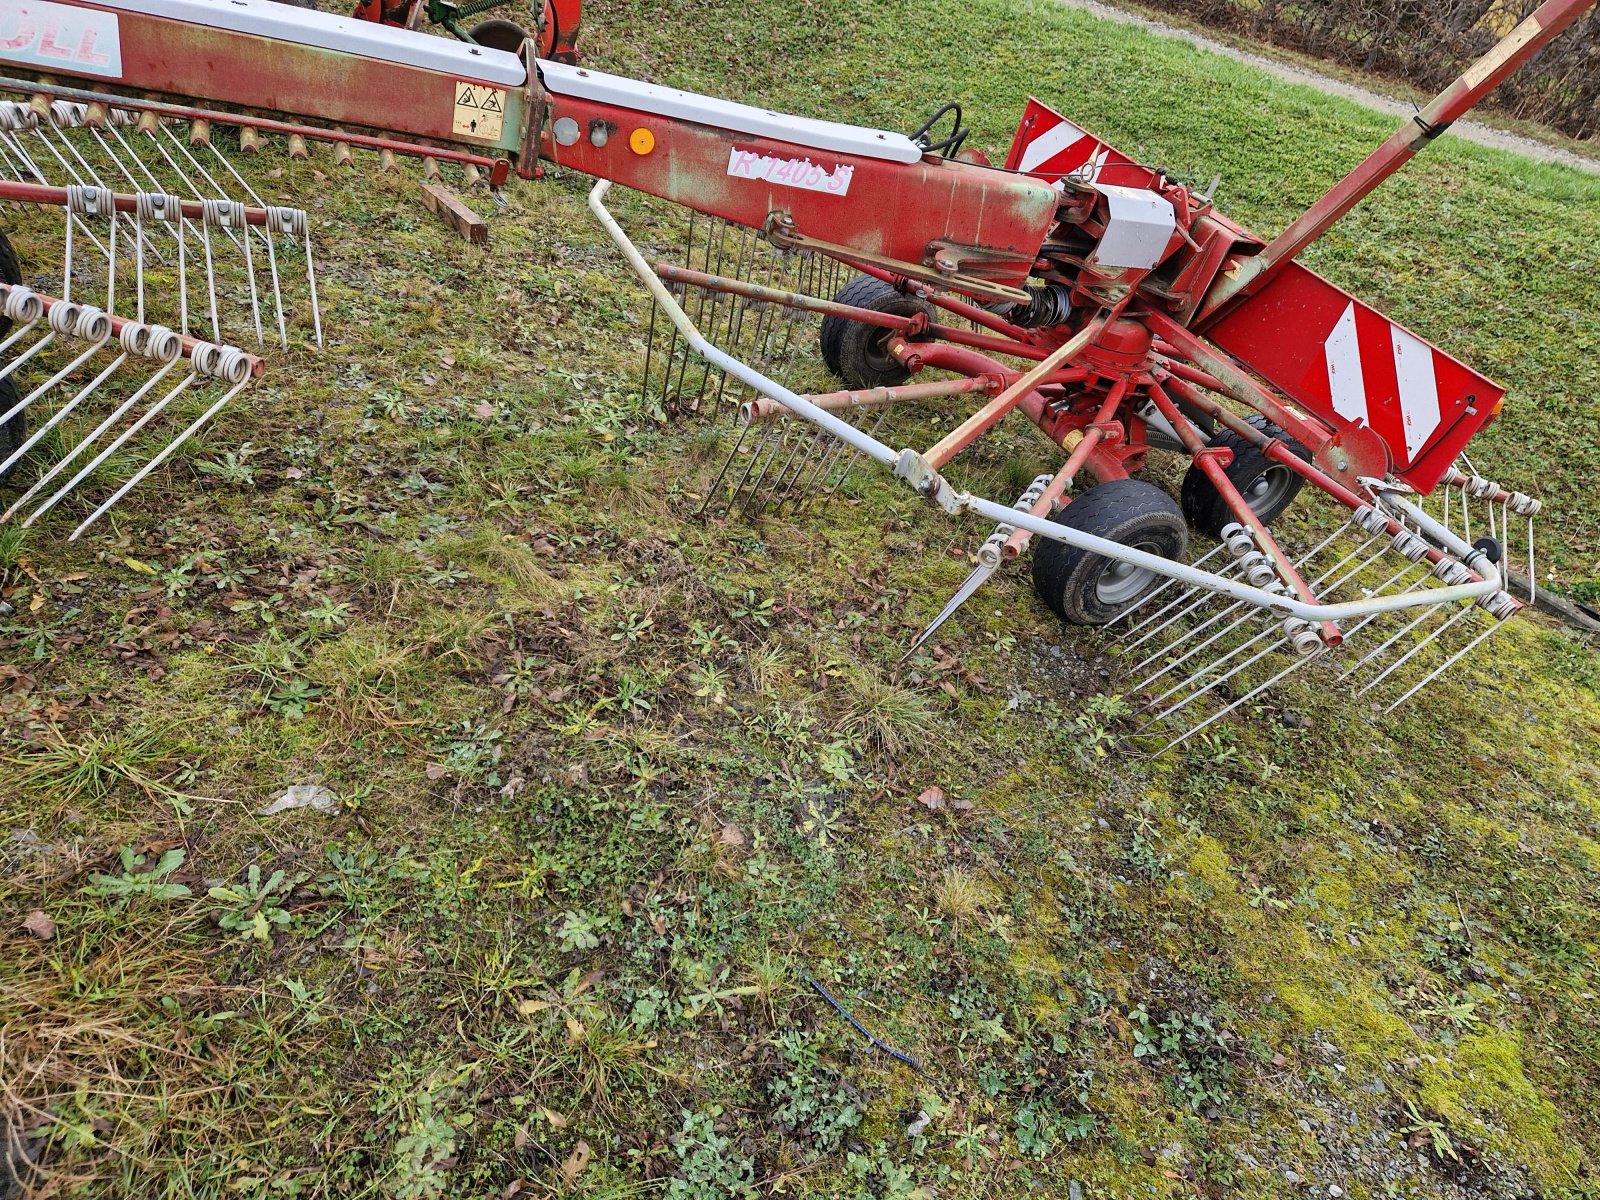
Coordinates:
615 781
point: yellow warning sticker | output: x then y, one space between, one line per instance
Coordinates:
480 111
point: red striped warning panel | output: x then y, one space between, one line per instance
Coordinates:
1052 147
1346 362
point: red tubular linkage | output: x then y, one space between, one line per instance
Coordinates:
910 326
1081 453
257 366
1210 462
1236 382
959 308
38 193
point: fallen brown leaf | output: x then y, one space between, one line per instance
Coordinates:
39 924
576 1162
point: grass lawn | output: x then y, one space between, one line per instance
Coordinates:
616 784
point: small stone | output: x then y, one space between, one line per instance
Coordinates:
1291 1177
1335 1191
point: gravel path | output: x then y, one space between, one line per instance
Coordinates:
1472 131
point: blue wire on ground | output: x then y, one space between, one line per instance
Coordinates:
864 1031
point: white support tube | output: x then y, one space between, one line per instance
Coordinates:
1488 582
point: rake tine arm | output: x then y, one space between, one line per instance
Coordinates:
959 308
908 326
772 295
990 415
34 193
764 408
256 365
1234 381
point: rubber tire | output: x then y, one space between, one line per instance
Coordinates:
497 33
15 431
1128 511
1203 505
852 350
10 272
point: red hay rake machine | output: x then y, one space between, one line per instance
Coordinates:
1107 302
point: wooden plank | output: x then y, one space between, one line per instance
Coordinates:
456 214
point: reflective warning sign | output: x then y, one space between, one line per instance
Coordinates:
480 111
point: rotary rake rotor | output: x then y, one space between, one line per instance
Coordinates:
168 279
881 274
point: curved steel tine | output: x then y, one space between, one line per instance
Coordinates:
211 280
1444 666
769 495
806 442
55 379
838 480
133 183
149 415
161 456
67 459
1300 661
199 194
1251 611
1215 683
63 412
1465 610
980 575
716 485
13 338
825 454
243 182
1145 600
1393 638
1200 601
311 276
277 290
1210 666
777 438
66 285
32 350
1414 585
32 168
255 299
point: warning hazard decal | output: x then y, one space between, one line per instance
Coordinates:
480 111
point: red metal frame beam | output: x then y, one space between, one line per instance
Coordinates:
888 210
497 167
183 58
